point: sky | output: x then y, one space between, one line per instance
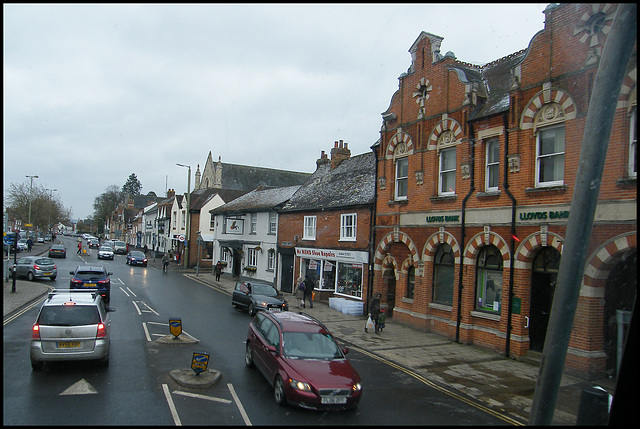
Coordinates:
96 92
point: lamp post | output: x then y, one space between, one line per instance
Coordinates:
50 197
188 240
30 188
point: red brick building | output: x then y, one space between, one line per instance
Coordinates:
475 177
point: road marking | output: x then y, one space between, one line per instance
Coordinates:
146 331
151 309
245 417
125 292
137 309
132 292
172 406
195 395
81 387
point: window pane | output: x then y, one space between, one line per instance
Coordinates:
402 174
350 279
448 171
443 275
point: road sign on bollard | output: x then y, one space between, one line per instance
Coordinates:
175 327
200 362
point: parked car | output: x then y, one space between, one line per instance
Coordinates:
94 243
92 277
71 326
257 296
23 245
303 363
105 252
136 257
35 267
120 248
57 251
40 239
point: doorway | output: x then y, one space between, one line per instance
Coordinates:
237 259
389 277
286 279
544 274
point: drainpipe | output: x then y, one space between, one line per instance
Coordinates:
462 229
505 184
372 229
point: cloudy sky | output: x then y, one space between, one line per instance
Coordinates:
93 93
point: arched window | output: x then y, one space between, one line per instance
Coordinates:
443 268
489 279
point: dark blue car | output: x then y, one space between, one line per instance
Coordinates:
92 277
136 257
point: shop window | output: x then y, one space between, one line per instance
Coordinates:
349 279
443 272
411 281
402 178
309 232
329 275
550 156
492 164
489 279
633 167
447 171
311 268
348 227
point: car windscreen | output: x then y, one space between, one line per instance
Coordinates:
69 315
263 290
89 275
137 254
44 261
310 345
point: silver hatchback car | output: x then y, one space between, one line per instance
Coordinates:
35 267
71 325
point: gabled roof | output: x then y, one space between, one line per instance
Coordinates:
351 183
260 199
244 177
200 197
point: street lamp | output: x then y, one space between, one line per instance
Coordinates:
30 188
51 191
188 240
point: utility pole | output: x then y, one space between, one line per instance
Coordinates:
50 197
30 188
188 239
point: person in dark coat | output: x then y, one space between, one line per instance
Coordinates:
218 270
375 310
308 290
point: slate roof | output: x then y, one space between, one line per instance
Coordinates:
260 199
247 178
200 197
351 183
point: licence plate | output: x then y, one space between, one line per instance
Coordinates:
89 285
333 400
276 309
46 274
67 344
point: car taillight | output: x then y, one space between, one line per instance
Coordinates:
102 331
76 281
35 332
103 281
36 267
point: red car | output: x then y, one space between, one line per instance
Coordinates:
302 362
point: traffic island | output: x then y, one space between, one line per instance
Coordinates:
179 340
188 378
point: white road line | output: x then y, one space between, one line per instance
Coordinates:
172 407
121 282
146 331
245 417
137 309
125 292
151 309
131 292
195 395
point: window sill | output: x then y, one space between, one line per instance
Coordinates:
443 307
397 202
488 194
443 198
558 188
407 300
483 315
626 181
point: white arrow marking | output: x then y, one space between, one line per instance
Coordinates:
80 388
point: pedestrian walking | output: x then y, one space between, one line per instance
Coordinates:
308 290
146 249
218 270
300 292
375 311
29 244
165 263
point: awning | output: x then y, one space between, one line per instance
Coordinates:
207 237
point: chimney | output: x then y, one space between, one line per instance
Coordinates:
171 193
339 153
323 160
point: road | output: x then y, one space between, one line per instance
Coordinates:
136 388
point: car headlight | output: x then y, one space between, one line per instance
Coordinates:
357 387
300 385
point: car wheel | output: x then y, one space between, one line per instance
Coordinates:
248 356
30 276
278 391
53 277
36 365
252 310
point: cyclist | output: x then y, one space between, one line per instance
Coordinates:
165 262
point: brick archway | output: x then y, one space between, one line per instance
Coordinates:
482 239
602 260
446 124
399 137
385 244
530 245
547 96
436 239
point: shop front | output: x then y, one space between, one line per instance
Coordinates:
335 272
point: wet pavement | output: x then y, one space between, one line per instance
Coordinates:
502 386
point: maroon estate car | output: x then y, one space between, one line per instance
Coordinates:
302 362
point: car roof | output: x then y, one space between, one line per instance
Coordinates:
297 322
60 297
90 268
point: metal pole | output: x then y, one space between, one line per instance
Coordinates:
188 240
50 197
30 188
597 131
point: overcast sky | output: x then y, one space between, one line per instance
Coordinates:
93 93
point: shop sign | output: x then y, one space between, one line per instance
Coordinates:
335 254
440 219
544 215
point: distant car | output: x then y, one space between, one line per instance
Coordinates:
40 239
305 366
48 237
136 257
120 247
92 277
57 251
257 296
35 267
71 326
105 252
94 243
23 245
